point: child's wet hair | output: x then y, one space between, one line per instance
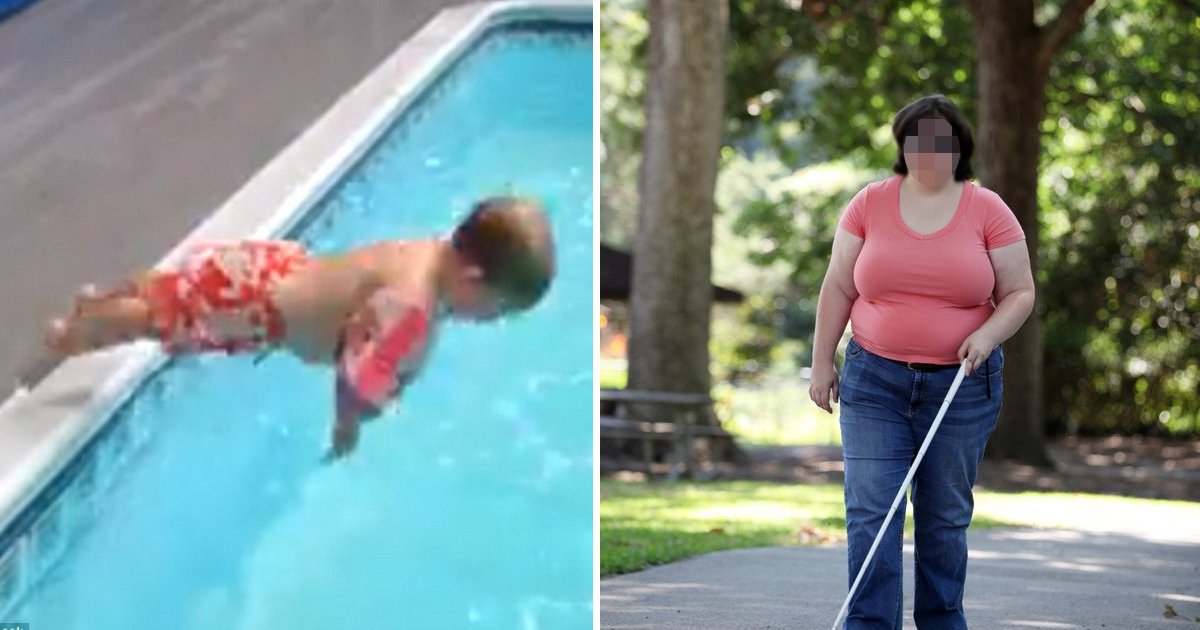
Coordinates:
509 239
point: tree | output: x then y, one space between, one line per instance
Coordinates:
671 297
810 94
1121 221
1013 63
1013 58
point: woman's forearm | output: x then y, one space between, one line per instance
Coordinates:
1009 315
833 311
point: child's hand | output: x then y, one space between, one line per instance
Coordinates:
345 439
350 412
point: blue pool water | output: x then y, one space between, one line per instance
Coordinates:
469 506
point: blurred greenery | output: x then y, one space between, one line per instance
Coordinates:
777 413
761 414
811 97
613 379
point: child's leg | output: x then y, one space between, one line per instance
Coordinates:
102 318
133 287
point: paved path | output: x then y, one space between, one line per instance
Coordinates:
123 123
1020 579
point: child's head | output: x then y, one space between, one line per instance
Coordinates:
503 258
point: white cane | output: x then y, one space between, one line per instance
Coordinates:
900 495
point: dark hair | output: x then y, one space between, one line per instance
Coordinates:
934 106
509 240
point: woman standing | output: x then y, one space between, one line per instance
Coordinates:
932 272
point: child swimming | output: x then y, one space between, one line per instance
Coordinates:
371 312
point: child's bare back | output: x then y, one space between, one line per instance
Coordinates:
322 297
371 311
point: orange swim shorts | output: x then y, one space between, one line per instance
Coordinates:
219 298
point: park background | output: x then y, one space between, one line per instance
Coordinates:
733 134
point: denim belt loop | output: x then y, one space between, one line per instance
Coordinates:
987 373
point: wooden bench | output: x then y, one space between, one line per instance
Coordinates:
679 434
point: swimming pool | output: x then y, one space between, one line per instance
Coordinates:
202 503
9 7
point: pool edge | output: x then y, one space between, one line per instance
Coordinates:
47 426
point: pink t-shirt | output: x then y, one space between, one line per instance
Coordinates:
922 295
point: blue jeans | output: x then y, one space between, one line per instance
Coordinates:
886 412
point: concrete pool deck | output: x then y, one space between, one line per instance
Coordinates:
1018 579
125 123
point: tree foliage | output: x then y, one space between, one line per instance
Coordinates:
812 91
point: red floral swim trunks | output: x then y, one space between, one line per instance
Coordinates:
220 296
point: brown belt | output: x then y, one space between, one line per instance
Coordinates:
935 367
925 367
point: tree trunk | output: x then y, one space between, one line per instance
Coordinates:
672 263
1008 139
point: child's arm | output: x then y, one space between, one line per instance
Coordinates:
383 346
351 411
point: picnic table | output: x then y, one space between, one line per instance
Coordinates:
678 426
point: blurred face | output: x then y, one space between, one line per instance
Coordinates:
932 154
471 298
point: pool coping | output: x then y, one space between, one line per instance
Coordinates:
45 427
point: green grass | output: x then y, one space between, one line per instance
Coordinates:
612 379
644 524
